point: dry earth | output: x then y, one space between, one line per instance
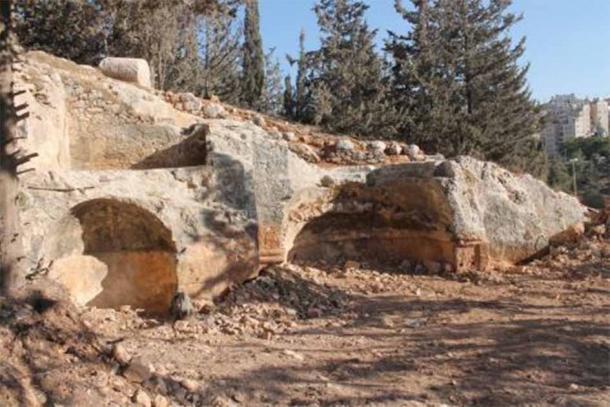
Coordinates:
326 335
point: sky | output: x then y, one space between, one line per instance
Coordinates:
568 41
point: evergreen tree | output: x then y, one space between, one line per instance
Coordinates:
457 73
220 56
288 99
72 29
253 72
347 84
302 94
271 100
161 31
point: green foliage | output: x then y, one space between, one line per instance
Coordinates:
457 75
271 100
345 79
303 93
164 32
219 75
288 99
559 177
588 147
72 29
591 160
253 59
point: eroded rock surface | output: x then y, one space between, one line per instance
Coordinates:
198 196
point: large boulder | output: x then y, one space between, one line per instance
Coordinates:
513 217
127 69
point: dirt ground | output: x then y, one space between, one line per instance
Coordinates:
534 335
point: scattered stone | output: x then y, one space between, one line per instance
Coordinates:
377 146
139 370
345 145
306 152
393 148
190 102
293 354
160 401
190 385
120 354
327 181
258 120
351 264
414 152
213 111
289 136
141 398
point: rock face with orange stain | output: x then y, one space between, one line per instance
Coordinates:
137 195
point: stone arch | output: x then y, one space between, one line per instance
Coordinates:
407 220
125 256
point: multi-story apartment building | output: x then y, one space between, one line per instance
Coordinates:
599 117
567 117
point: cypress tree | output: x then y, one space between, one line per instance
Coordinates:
253 60
458 72
288 100
301 94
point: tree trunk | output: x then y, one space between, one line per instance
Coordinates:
11 251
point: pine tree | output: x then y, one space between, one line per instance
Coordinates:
457 73
253 58
220 55
72 29
347 84
161 33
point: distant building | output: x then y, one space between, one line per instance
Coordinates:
567 117
599 117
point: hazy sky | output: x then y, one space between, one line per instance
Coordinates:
568 41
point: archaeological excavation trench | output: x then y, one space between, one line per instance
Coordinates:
124 207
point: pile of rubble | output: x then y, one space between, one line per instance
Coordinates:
308 142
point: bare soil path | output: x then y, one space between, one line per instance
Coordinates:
309 336
333 336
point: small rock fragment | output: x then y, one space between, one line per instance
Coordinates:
141 398
258 120
160 401
138 371
190 385
294 354
289 136
327 181
345 145
120 354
